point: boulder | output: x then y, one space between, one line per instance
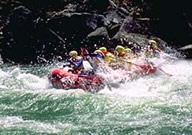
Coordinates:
131 31
138 41
17 36
187 51
99 32
77 28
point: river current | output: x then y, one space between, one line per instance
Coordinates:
152 104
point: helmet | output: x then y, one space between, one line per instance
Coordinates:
153 43
119 48
128 50
73 53
97 51
103 49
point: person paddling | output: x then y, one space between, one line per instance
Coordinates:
122 52
108 56
123 55
79 66
76 62
95 58
152 49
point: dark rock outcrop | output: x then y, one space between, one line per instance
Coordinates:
169 20
28 37
33 31
17 36
187 51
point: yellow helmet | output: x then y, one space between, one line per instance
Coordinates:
119 48
128 50
73 53
153 43
97 51
103 49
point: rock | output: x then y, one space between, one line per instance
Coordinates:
130 32
77 28
130 25
187 47
101 32
97 5
113 29
40 30
17 36
1 60
169 20
77 22
113 17
125 38
187 51
115 20
20 15
98 37
138 41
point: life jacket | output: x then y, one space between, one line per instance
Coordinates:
123 54
149 52
109 57
152 52
77 63
154 48
104 53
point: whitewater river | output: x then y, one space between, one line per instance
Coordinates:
155 104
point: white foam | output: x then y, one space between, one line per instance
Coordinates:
177 75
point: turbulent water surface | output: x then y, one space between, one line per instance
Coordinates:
153 104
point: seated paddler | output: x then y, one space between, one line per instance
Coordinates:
78 64
152 49
108 56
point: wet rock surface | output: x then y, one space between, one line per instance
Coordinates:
34 29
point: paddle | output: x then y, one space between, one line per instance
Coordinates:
146 67
164 72
169 56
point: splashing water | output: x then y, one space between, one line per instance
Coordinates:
152 104
15 79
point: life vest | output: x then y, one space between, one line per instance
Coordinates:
78 64
154 48
105 53
123 54
152 52
149 53
109 57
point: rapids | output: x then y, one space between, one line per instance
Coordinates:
152 104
